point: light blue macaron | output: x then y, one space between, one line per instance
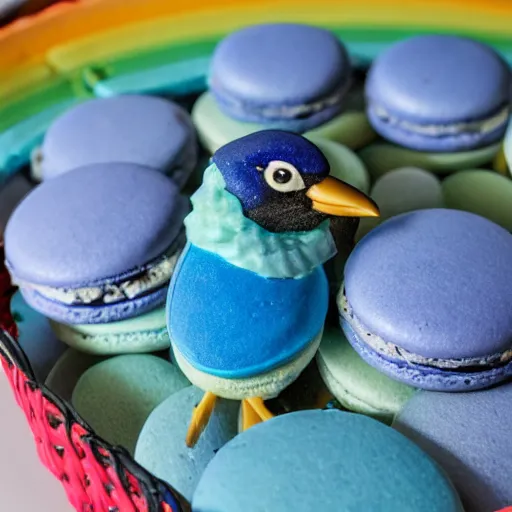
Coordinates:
329 461
161 448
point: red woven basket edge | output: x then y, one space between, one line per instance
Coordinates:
95 475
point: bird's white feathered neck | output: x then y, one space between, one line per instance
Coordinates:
217 224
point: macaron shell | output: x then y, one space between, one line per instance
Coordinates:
350 128
426 377
460 141
117 395
344 163
35 337
468 435
439 79
67 371
435 300
355 384
321 460
161 448
115 312
143 130
265 385
279 64
144 333
215 129
382 157
485 193
400 191
93 224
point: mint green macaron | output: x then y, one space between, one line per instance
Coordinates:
483 192
116 396
382 157
67 371
400 191
355 384
145 333
344 163
215 129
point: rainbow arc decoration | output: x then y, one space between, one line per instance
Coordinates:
76 50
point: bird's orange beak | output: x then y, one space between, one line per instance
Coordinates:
334 197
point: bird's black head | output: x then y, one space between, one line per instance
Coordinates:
282 181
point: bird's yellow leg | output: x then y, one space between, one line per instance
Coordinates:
200 418
323 398
254 411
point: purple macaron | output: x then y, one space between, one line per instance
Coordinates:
144 130
439 93
97 244
427 300
284 75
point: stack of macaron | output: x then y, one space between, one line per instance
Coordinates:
440 102
203 333
281 76
94 249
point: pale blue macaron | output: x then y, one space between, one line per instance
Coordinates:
161 447
329 461
469 435
117 395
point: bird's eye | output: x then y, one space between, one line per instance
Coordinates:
283 177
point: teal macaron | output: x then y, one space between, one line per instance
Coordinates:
329 461
161 448
355 384
145 333
117 395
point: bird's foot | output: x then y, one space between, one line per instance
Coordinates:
200 418
254 411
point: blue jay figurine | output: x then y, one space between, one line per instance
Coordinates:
249 296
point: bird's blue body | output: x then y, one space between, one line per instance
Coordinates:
249 293
233 323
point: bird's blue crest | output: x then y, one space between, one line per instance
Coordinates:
238 161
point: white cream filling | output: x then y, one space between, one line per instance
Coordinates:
151 279
289 111
438 130
392 351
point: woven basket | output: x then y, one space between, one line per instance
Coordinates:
96 476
